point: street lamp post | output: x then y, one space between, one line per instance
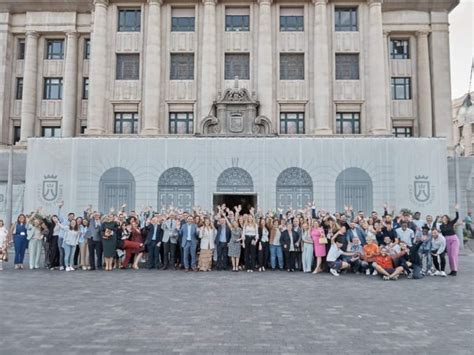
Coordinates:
9 191
458 148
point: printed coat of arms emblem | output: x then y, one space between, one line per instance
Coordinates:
50 188
421 188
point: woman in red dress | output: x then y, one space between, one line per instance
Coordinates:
133 245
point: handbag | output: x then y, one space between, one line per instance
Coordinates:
323 240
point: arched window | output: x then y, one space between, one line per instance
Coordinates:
234 180
176 188
354 187
294 188
116 187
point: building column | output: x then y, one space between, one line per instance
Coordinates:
6 58
208 75
424 85
441 78
70 86
322 87
28 102
97 71
152 77
265 72
388 71
376 100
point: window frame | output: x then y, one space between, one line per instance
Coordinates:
48 85
52 55
120 73
284 120
189 28
284 27
124 27
16 134
406 133
54 130
353 120
175 73
87 48
19 88
406 86
353 15
231 64
173 122
230 26
338 73
85 88
285 74
21 47
404 55
119 116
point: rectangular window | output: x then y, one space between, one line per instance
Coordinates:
237 65
291 66
291 19
345 19
401 89
126 123
54 49
128 67
21 49
83 129
87 48
19 89
348 123
16 134
53 89
181 123
129 20
237 19
399 49
347 66
292 123
85 89
182 66
51 132
402 131
182 20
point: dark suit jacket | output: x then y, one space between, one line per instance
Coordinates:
227 233
149 234
285 239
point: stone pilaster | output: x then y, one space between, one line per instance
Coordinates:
28 102
265 73
6 50
70 86
208 74
425 119
152 69
322 82
376 100
97 71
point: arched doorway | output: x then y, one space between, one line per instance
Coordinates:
116 187
294 188
354 187
235 187
176 188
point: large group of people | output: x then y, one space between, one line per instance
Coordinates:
310 240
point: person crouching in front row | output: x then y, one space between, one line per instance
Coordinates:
384 266
335 255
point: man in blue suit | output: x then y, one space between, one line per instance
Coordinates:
189 234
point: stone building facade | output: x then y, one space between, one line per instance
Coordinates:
285 74
463 123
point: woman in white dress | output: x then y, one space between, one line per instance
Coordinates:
207 234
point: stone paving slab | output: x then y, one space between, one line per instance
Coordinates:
172 312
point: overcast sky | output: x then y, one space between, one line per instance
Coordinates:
462 46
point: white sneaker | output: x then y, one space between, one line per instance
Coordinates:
67 268
334 272
430 273
367 272
375 273
436 273
442 273
61 268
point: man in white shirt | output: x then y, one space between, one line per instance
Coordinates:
405 234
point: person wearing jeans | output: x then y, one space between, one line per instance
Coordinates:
20 232
70 241
276 253
438 252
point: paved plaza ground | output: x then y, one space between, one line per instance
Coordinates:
51 312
